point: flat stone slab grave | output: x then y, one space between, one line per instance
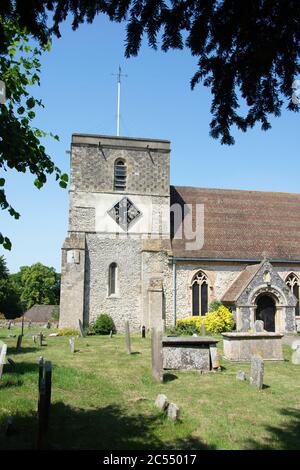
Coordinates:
240 346
187 352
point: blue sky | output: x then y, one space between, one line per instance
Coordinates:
79 94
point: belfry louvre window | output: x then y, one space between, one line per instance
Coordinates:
120 176
292 282
112 279
200 294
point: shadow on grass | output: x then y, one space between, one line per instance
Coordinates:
286 437
99 429
170 377
19 368
23 350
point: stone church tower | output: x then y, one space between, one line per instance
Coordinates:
116 251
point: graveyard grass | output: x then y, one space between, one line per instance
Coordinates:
103 398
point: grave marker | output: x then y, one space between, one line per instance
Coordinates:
19 342
72 345
257 371
2 358
44 399
296 353
143 332
157 355
173 412
127 337
259 326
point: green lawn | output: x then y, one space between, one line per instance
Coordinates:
104 399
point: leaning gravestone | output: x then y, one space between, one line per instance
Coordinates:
41 337
259 326
127 337
81 329
19 342
257 371
72 345
162 402
2 358
296 353
173 412
157 355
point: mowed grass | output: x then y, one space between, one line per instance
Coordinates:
104 399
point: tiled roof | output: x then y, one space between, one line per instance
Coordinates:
241 282
242 224
40 313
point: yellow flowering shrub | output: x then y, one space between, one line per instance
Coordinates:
218 321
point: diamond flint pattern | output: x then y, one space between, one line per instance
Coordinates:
124 213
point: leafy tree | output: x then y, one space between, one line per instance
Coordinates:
20 142
37 284
9 298
247 50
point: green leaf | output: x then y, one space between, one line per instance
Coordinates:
30 103
7 243
21 110
2 181
63 184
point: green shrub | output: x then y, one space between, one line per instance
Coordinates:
68 332
103 325
218 321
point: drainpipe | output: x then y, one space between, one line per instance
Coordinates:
174 291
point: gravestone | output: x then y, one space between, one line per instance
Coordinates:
29 324
81 329
127 337
157 355
72 345
143 332
257 371
2 358
34 338
19 342
44 399
41 337
9 325
259 326
111 333
162 402
296 354
214 357
173 412
240 375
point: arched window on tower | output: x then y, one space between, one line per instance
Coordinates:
200 294
120 175
112 279
292 282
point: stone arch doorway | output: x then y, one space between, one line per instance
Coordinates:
265 311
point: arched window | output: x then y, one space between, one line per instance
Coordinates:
120 175
200 294
293 282
112 279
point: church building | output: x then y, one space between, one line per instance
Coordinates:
142 250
